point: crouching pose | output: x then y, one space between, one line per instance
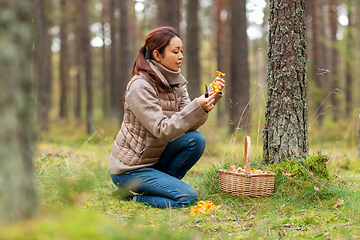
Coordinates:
158 141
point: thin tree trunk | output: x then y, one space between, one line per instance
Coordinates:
78 61
105 102
316 64
348 63
192 49
285 133
85 39
124 55
17 191
64 68
333 56
239 69
113 93
43 96
220 52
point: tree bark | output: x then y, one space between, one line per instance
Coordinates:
192 49
285 133
124 56
17 191
168 13
113 93
78 61
64 66
105 102
41 65
85 39
333 56
349 85
239 69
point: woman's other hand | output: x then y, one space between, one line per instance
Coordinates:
207 103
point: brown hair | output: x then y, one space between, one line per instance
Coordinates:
157 39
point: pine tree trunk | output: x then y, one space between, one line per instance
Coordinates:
41 65
105 102
17 136
348 63
113 93
78 61
85 39
239 69
219 52
168 13
192 49
333 56
124 55
64 68
316 63
285 133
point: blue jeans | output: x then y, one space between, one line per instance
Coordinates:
160 185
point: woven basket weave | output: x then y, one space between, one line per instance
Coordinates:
246 184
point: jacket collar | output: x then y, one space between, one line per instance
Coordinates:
166 75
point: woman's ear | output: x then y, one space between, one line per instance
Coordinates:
156 55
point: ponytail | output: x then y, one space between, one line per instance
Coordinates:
141 65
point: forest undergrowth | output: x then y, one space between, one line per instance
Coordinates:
316 197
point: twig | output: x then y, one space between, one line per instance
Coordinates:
345 225
249 211
232 212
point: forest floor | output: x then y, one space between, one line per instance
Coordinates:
77 199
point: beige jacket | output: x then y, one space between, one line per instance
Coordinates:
152 119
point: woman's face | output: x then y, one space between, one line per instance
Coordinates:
172 56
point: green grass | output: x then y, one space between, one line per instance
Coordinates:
314 198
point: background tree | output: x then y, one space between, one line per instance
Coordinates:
239 84
219 47
316 60
124 54
42 65
78 60
285 133
64 61
168 13
86 51
349 59
17 191
113 92
104 18
192 49
333 56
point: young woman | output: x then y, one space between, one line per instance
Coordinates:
158 142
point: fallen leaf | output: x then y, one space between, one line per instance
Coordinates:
316 188
338 203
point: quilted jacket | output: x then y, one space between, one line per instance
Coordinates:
152 119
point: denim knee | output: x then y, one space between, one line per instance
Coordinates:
199 139
189 198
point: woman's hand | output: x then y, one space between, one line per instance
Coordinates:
221 82
207 103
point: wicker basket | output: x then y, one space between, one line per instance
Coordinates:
246 184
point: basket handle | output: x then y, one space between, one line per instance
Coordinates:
247 155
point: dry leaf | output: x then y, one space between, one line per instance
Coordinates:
338 203
316 188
